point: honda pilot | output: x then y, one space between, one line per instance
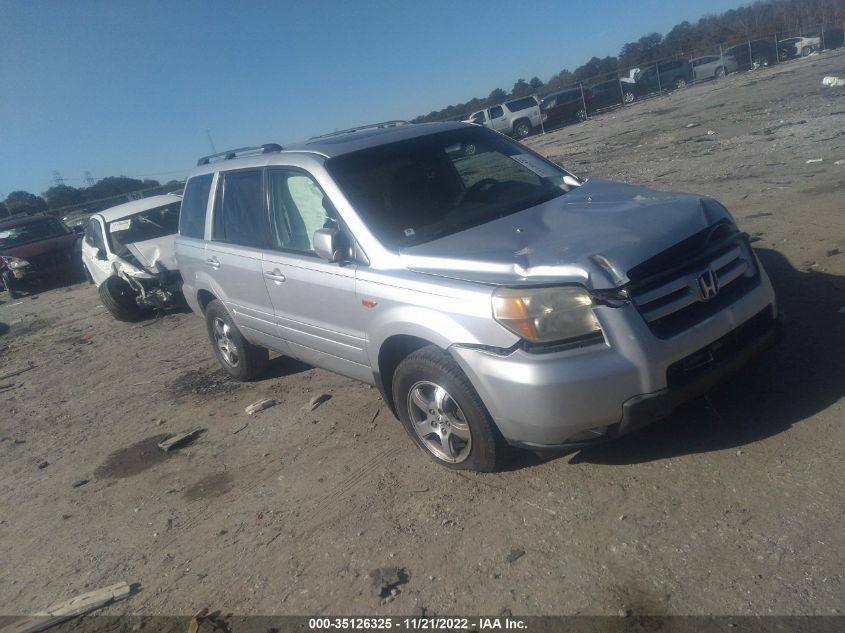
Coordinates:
494 298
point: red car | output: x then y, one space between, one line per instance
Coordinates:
34 249
567 105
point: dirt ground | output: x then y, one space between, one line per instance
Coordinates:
732 506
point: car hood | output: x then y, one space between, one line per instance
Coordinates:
592 235
158 251
34 249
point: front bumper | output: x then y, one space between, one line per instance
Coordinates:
578 397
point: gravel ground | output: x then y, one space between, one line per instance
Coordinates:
731 506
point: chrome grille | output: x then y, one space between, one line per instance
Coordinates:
673 305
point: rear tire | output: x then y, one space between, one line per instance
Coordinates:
628 97
435 399
119 298
238 357
720 72
680 82
521 129
806 51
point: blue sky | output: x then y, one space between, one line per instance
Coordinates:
118 87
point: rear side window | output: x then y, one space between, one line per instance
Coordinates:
521 104
240 218
496 112
194 204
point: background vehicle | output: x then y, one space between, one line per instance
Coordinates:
36 249
517 117
753 54
713 66
392 257
606 94
128 253
669 75
566 105
793 47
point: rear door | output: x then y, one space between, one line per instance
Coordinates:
239 233
315 305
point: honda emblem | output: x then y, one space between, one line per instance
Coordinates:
708 285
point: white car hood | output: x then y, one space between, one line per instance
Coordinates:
157 251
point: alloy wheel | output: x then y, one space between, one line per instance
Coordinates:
229 351
439 422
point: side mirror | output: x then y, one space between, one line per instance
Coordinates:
101 254
331 244
79 229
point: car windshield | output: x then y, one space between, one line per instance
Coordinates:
32 232
143 226
420 189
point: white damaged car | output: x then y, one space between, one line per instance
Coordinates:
128 252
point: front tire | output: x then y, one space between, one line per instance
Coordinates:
10 282
119 298
679 83
720 72
628 97
238 357
443 414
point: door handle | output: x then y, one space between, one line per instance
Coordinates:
213 262
276 276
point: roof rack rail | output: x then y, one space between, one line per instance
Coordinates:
370 126
267 148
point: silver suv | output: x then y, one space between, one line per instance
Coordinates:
517 117
494 298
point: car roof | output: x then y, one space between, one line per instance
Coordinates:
337 144
22 220
136 206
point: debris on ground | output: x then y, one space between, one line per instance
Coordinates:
16 372
79 605
514 555
689 125
815 160
840 162
316 401
205 622
43 465
79 482
711 132
387 579
832 251
255 407
831 81
177 441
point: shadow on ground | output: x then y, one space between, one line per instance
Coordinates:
787 385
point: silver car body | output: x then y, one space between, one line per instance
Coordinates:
348 317
707 67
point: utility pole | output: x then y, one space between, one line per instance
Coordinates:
88 179
210 142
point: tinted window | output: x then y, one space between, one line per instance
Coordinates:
521 104
32 232
496 112
413 191
240 216
478 118
194 205
297 209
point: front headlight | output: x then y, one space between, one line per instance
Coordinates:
546 315
15 262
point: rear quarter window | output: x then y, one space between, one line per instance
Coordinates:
194 205
521 104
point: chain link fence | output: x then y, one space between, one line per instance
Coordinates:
593 95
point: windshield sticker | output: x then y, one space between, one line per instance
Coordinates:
120 225
536 165
409 232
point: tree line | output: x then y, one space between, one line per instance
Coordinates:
764 17
62 196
